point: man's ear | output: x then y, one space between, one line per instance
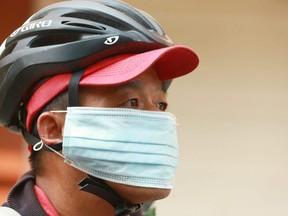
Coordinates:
50 126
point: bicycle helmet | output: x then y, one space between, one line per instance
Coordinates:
65 37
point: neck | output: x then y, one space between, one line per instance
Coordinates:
60 183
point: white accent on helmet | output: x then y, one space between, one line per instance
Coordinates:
111 40
29 26
17 30
3 46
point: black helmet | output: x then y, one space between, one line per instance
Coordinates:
69 36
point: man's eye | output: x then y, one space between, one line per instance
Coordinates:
162 106
133 102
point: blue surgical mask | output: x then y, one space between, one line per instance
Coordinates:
127 146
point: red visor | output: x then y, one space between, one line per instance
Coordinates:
169 62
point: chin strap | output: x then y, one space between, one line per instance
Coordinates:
99 188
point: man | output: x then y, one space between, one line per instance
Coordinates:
85 82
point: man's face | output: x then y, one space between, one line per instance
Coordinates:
145 92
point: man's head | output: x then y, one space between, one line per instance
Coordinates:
103 54
145 92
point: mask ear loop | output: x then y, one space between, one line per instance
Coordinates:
53 150
41 145
38 146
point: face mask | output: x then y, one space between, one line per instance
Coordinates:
132 147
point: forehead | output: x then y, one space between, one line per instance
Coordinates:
147 83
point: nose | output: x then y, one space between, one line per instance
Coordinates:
150 106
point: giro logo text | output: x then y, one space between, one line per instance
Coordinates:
33 25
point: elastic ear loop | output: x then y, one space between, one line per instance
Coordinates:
40 145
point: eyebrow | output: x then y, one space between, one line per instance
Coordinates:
133 84
138 84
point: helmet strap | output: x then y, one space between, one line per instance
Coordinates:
92 184
99 188
73 88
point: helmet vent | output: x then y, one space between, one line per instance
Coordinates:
3 72
98 27
99 18
136 16
54 39
8 49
